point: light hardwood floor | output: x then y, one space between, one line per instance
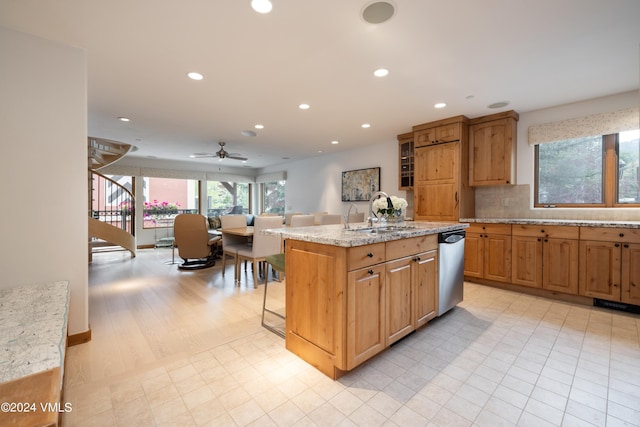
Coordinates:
186 348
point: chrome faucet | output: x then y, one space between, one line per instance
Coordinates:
372 215
346 217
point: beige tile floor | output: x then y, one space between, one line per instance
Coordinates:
174 348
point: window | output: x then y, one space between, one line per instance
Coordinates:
595 171
273 197
164 198
227 197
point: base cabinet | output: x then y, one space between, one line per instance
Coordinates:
366 302
609 264
487 252
345 305
631 273
545 257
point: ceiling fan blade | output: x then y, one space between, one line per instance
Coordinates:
237 158
202 155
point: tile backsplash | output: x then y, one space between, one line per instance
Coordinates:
514 201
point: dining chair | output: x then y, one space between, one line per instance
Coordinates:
288 215
263 244
330 219
231 244
303 220
317 216
356 217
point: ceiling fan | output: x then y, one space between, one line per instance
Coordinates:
220 154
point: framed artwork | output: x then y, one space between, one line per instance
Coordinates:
358 185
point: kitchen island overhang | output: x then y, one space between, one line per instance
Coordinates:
351 293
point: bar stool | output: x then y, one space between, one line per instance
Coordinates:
277 263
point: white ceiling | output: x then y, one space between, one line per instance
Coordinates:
258 68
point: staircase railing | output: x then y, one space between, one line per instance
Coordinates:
111 213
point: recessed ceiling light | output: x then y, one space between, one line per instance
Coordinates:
440 105
304 106
261 6
195 76
248 133
498 104
124 119
320 151
366 125
381 72
259 126
335 142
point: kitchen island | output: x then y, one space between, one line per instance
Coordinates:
351 293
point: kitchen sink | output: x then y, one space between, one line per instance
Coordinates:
384 230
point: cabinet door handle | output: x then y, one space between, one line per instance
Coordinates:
546 240
456 197
621 234
617 245
626 245
417 258
370 271
370 255
539 239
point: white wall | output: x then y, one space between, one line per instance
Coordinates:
314 184
43 116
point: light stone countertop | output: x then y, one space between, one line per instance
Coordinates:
337 235
543 221
33 329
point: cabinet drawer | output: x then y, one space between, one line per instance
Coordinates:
364 256
552 231
397 249
606 234
479 227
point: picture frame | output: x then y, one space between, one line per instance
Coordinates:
359 184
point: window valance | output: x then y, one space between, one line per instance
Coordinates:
596 124
271 177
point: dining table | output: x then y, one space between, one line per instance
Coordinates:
240 231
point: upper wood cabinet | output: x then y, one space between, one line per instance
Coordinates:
440 132
441 189
492 149
405 156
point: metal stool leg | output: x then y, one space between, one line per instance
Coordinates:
275 330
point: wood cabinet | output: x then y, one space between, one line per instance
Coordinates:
441 190
405 156
366 302
545 257
345 305
487 252
411 293
609 264
492 149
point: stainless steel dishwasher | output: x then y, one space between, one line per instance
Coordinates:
450 269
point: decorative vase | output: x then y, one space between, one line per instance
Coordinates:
395 218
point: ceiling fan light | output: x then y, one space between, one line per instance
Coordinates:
261 6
